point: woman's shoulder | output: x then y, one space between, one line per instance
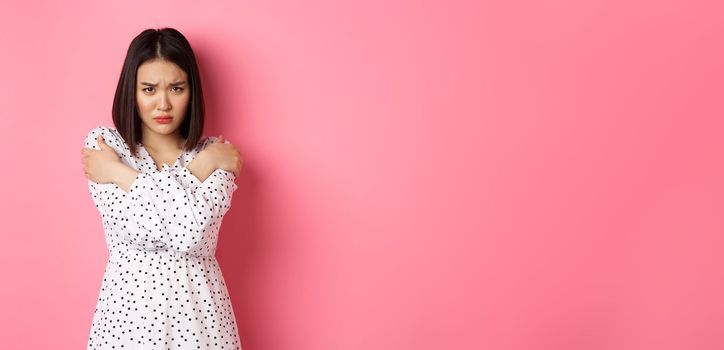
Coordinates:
206 140
109 134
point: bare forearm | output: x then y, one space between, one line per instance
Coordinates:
124 176
201 167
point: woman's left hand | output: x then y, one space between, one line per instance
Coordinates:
100 165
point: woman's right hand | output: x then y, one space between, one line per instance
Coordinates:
224 156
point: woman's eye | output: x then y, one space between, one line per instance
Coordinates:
175 88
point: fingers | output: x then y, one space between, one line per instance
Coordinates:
238 169
101 142
220 139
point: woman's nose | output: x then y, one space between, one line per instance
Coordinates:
164 103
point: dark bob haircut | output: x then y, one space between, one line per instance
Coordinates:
170 45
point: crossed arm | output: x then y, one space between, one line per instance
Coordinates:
166 209
103 165
123 175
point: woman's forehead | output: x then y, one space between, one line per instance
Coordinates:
158 70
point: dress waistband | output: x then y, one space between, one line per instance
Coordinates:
138 253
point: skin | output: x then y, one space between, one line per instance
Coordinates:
162 89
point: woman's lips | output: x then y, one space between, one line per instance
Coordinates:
163 120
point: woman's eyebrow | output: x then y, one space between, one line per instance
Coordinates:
173 84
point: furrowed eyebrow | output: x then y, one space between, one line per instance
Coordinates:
172 84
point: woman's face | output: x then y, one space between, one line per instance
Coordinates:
162 89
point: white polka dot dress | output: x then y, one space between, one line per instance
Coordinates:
162 287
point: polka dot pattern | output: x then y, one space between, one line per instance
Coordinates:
162 287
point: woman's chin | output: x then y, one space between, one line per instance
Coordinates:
163 129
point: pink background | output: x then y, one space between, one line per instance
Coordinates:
418 174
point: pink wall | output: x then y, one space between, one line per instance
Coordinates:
419 175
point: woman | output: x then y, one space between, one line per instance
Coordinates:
161 190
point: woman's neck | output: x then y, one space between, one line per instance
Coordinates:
162 143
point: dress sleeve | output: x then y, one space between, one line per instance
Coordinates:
177 216
104 195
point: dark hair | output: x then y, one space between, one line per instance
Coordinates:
167 44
